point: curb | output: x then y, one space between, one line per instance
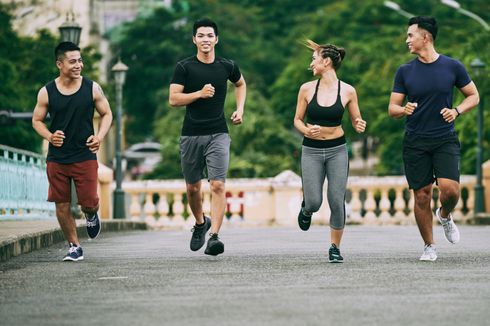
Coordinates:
38 240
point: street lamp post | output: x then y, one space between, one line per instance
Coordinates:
396 7
455 5
119 70
70 31
478 67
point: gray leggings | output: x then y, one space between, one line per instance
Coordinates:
332 163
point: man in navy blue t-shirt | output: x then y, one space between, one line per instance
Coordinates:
431 149
200 83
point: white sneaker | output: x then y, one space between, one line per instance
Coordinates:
429 254
451 231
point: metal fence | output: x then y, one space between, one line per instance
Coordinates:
23 185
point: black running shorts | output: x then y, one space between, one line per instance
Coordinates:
426 159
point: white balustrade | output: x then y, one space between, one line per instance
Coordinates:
371 200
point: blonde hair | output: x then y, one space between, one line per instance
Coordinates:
335 53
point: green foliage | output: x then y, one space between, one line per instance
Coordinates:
265 40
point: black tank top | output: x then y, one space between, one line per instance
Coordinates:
73 114
326 116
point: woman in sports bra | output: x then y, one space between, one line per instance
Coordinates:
321 105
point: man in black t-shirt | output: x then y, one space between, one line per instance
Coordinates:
200 83
431 147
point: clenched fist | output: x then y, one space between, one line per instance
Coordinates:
207 91
57 138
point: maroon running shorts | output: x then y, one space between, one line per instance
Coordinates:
84 174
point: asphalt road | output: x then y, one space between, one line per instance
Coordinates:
269 276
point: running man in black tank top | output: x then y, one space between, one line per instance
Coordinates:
70 100
319 110
200 83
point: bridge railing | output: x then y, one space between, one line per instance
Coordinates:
23 185
369 200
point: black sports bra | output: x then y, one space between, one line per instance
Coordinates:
326 116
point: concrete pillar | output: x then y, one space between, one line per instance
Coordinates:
106 176
287 198
486 184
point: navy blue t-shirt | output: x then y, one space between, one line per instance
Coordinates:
206 115
431 86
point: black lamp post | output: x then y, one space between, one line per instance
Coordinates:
70 31
478 67
119 70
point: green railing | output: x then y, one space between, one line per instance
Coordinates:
23 185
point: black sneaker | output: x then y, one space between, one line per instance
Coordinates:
199 234
93 225
304 220
74 253
214 247
334 255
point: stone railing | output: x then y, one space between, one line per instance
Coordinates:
23 185
369 200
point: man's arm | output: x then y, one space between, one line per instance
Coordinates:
38 116
471 99
395 108
177 97
240 95
103 108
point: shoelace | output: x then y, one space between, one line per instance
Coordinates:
72 249
91 223
429 250
200 226
214 236
335 250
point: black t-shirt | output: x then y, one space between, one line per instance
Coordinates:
73 114
205 116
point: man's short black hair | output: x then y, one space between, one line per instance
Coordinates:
64 47
427 23
204 22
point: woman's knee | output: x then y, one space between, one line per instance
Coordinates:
313 205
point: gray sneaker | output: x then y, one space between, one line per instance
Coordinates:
199 234
215 246
429 253
451 231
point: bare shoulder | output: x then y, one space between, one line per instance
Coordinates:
42 95
348 90
347 87
97 90
307 88
308 85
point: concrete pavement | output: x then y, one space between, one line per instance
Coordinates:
269 276
22 236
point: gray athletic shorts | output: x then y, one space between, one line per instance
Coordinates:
211 151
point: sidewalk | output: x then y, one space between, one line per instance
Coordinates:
271 276
21 236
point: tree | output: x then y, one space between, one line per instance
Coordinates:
265 40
